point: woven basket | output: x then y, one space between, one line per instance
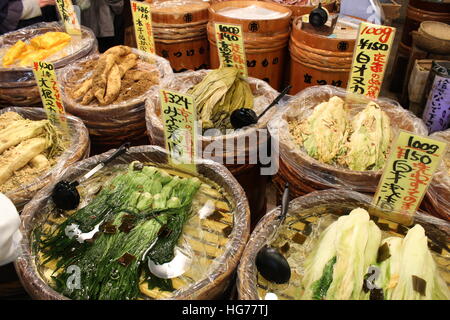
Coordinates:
298 168
211 286
78 149
437 199
115 123
17 84
302 223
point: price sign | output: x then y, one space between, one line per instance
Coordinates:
408 172
179 120
142 17
370 59
50 92
230 46
68 16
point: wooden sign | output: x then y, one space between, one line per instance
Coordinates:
68 16
230 47
370 59
179 120
142 18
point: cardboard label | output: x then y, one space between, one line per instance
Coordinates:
230 47
142 18
179 120
68 16
370 59
408 172
50 92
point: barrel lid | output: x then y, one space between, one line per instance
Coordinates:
179 11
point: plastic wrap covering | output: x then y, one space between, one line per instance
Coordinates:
263 96
437 200
307 218
115 122
78 148
219 239
308 174
17 84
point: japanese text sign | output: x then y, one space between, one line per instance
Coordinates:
437 110
179 120
68 16
230 47
142 17
408 172
50 92
370 59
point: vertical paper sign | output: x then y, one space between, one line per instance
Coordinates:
437 110
68 16
142 17
49 91
370 59
178 116
230 47
408 172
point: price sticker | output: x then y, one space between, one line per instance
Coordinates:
230 47
50 92
180 131
142 18
68 16
408 173
370 59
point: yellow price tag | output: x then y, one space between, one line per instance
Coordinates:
230 46
142 17
408 173
370 59
180 131
68 16
49 90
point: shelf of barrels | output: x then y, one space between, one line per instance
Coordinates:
279 52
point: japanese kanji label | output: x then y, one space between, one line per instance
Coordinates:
230 46
370 59
408 172
142 17
50 92
68 16
437 110
178 116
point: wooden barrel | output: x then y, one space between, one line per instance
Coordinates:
240 159
317 59
307 174
179 30
211 285
306 219
17 84
301 9
265 41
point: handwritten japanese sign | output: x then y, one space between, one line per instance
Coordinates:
142 17
230 47
50 92
437 110
178 116
68 16
408 172
370 59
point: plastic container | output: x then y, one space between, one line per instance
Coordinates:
306 174
17 84
307 217
212 283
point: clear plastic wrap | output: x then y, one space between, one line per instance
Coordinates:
182 82
212 281
78 149
307 173
17 84
307 217
437 199
115 122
